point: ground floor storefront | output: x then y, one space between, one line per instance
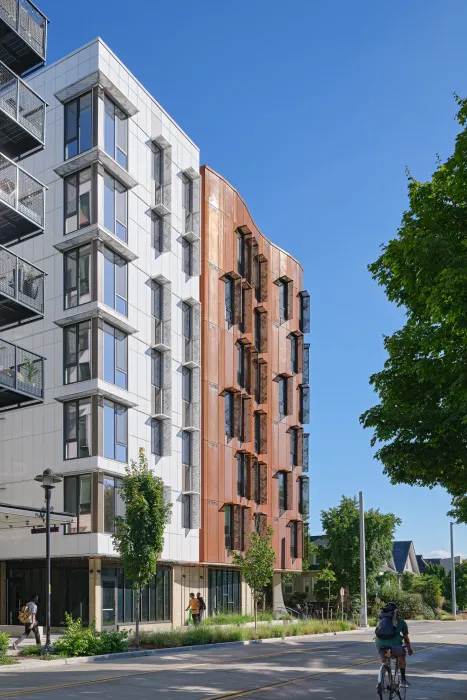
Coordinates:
96 588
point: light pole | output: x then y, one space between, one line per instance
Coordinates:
47 480
453 575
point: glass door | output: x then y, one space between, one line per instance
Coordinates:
109 606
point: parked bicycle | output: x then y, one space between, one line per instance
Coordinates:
389 678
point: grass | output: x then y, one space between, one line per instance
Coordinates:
236 619
206 634
7 660
31 650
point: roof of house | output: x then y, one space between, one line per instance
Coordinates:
401 552
421 563
319 540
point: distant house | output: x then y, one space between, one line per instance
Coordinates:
404 558
445 563
422 563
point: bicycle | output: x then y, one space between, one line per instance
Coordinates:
389 679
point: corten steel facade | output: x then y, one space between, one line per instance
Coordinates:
255 392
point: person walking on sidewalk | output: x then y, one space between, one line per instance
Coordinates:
194 605
28 616
202 606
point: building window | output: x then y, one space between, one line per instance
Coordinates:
187 321
256 278
77 275
115 282
282 480
228 526
256 482
187 381
283 408
293 447
78 125
240 364
229 413
115 431
257 522
186 448
241 474
257 431
77 417
157 369
113 504
116 133
187 194
157 301
77 352
229 300
115 356
240 255
256 385
77 491
158 233
187 257
257 330
304 312
158 166
294 354
283 301
293 539
303 495
77 200
156 437
115 207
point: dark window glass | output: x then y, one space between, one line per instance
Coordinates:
157 233
294 354
257 329
229 413
77 492
77 352
157 369
115 431
156 437
283 301
293 447
115 356
228 526
116 133
77 417
78 200
282 397
186 384
78 125
282 480
186 448
240 364
77 275
187 257
240 255
115 282
115 207
229 299
187 328
240 474
293 539
155 598
113 504
157 301
257 431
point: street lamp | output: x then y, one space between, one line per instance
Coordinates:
47 480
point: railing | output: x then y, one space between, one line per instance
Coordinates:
27 21
22 281
21 191
21 103
21 370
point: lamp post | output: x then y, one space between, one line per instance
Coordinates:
47 480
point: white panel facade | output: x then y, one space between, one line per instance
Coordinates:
32 439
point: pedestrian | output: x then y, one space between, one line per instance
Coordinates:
28 617
194 605
202 606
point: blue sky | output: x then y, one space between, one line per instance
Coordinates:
311 110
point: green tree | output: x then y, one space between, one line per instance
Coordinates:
436 570
341 526
327 578
461 586
256 564
419 424
139 536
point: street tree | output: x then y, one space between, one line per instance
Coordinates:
257 564
327 578
139 535
341 526
461 586
419 425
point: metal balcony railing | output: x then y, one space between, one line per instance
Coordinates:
22 115
21 376
21 289
27 47
22 203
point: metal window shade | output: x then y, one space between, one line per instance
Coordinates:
290 300
263 483
263 280
290 396
300 353
263 382
247 419
263 433
263 339
237 527
247 527
237 300
299 534
289 495
247 314
237 417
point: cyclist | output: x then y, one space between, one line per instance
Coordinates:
388 618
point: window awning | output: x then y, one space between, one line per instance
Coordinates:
15 517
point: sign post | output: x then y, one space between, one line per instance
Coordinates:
342 592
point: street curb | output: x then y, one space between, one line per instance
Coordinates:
24 661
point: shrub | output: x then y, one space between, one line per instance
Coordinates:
410 604
85 641
236 619
33 650
427 612
4 642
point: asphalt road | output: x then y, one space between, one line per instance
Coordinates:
342 667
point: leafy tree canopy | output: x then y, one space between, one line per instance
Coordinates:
420 422
341 526
257 563
461 586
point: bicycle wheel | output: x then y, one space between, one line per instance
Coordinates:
401 692
385 685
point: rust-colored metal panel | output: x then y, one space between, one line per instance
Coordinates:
247 527
263 524
290 490
299 543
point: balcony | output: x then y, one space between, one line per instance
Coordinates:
21 290
22 203
22 116
23 35
21 377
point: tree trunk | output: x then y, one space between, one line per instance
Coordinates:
256 613
138 608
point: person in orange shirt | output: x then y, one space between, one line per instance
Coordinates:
194 605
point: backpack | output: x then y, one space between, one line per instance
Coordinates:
385 628
24 614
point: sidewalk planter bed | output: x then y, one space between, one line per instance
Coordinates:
4 644
236 619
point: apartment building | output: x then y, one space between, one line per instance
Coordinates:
119 332
255 395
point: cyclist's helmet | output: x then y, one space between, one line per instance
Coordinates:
390 607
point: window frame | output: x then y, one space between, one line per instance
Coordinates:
85 401
117 484
108 253
294 354
228 525
187 439
118 189
116 370
116 146
67 182
241 481
282 491
76 508
282 397
116 407
79 113
284 301
187 257
229 419
156 427
69 365
229 300
77 288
